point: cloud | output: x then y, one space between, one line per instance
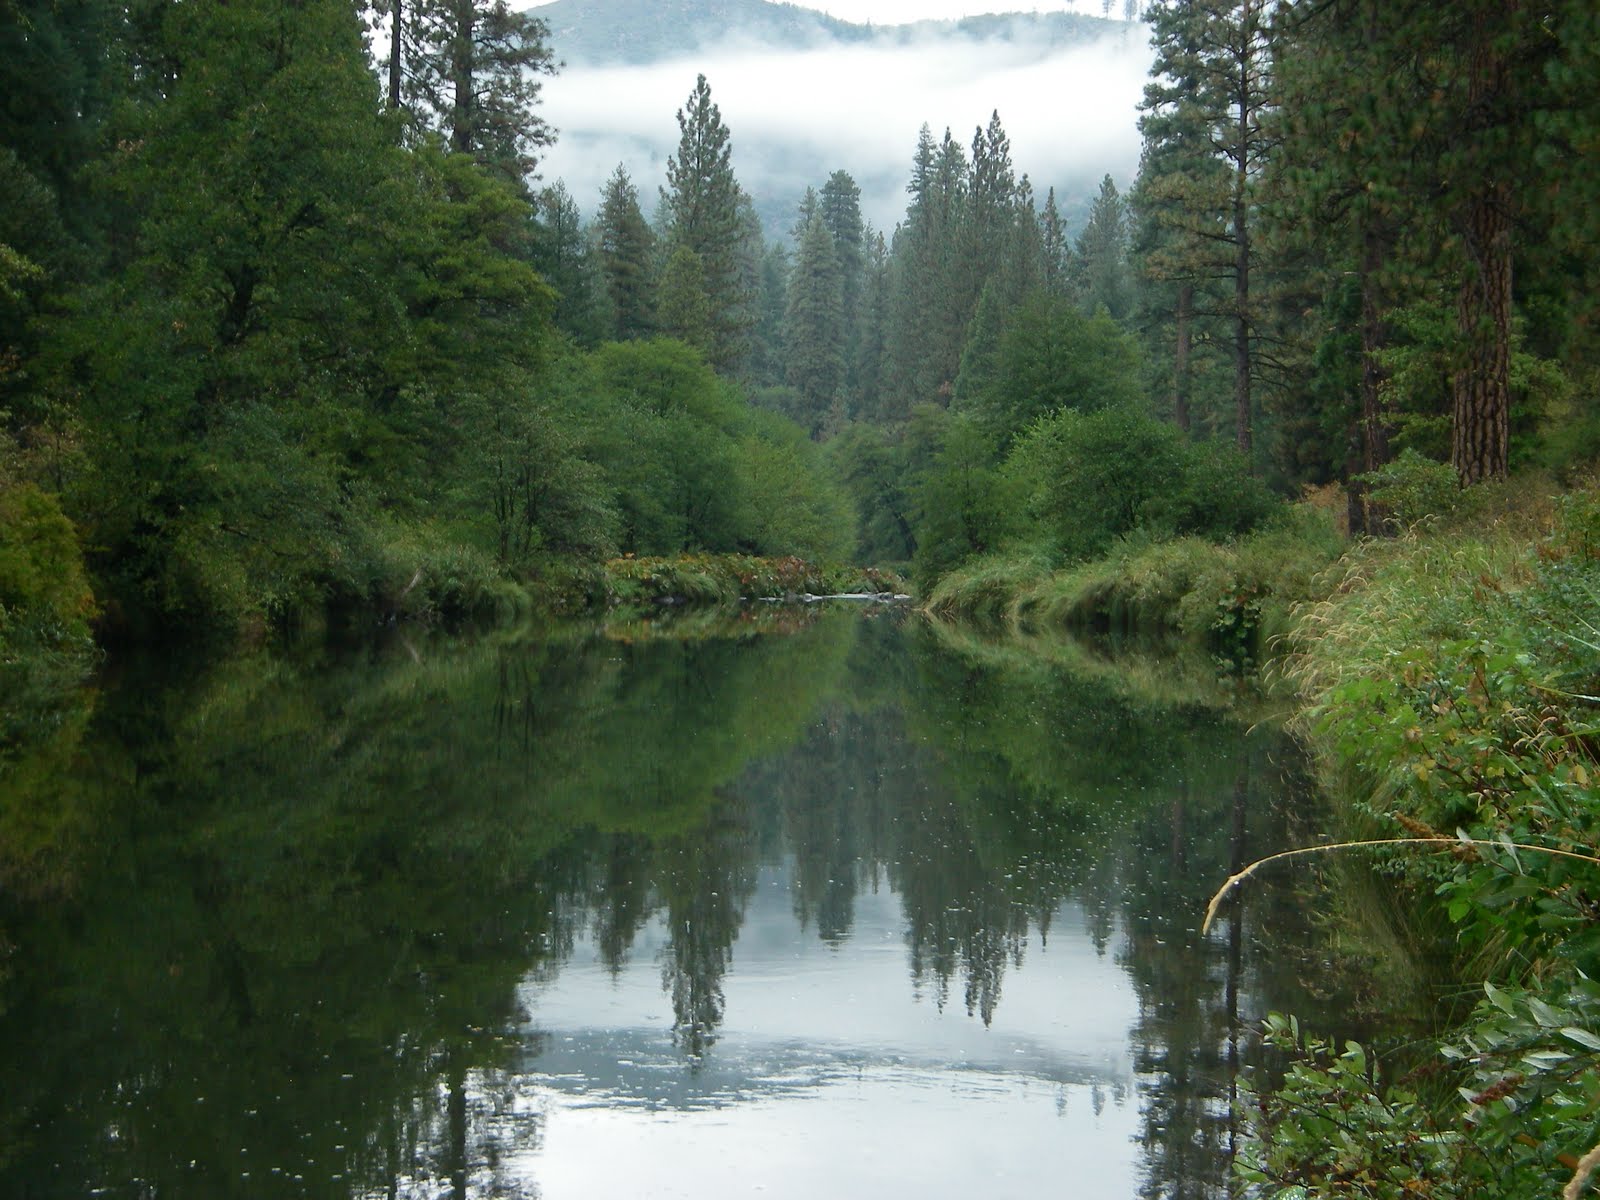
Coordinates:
795 115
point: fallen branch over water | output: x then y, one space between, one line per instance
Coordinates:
1235 880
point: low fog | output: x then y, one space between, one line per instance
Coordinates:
797 115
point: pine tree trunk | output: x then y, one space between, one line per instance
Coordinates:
1180 355
463 117
1241 245
1482 410
1241 296
1481 416
396 54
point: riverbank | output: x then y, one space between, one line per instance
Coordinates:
1232 598
1447 685
1446 682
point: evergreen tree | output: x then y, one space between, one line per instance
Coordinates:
1100 256
701 204
872 315
768 345
684 306
991 207
473 75
560 252
627 247
1204 145
814 328
930 279
1053 247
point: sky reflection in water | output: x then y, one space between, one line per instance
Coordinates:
821 904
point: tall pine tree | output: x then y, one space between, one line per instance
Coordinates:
702 205
627 247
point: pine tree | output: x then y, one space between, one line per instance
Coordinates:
1204 145
626 249
930 279
560 252
684 306
872 314
1100 255
768 346
1052 247
814 325
474 76
840 203
701 204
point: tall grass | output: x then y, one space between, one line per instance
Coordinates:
1231 597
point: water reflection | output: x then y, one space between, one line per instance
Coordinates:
840 907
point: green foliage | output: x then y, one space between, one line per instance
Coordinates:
874 468
728 578
1413 488
1232 599
702 291
1334 1127
961 509
1051 357
790 502
1450 683
1092 477
626 245
814 324
45 601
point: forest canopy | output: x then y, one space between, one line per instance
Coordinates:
289 320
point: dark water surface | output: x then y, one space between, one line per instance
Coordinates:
823 904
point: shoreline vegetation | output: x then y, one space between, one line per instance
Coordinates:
1446 681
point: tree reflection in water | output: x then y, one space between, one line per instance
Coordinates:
307 891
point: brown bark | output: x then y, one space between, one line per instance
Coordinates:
463 118
1180 356
1241 246
1481 416
396 54
1481 409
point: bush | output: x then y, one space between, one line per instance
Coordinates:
45 601
1413 488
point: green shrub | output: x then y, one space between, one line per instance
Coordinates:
45 601
1413 488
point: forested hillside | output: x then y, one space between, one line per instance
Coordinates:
644 31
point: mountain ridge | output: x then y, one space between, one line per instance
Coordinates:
623 32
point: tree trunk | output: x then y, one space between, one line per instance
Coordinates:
1180 356
463 118
1481 419
396 54
1481 416
1241 246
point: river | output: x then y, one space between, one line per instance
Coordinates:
809 903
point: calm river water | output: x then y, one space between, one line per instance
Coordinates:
809 904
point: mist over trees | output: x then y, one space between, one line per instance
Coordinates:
290 320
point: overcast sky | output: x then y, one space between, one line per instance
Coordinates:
797 114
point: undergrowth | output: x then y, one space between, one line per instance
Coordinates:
1450 682
1231 597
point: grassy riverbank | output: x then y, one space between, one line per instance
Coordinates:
1447 683
1231 597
